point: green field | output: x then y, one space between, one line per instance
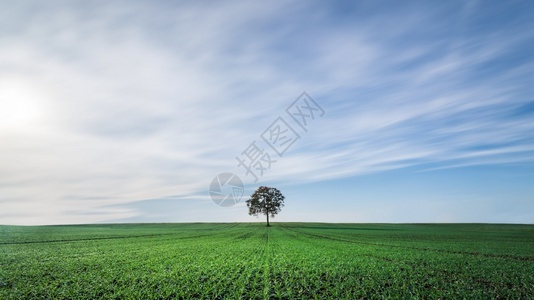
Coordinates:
285 261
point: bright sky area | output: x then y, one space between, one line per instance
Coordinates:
125 111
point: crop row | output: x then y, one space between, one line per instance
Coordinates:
286 261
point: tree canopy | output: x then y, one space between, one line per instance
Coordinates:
265 201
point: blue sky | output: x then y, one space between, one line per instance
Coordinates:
125 111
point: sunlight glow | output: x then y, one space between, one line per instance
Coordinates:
20 105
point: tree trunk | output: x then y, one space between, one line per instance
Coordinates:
268 220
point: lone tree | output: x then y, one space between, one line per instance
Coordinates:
267 201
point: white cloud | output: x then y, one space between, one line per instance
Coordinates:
138 101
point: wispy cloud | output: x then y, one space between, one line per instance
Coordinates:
133 101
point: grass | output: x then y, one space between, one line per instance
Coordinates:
285 261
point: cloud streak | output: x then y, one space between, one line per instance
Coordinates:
139 101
